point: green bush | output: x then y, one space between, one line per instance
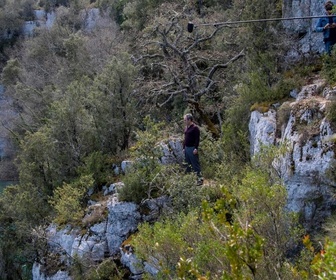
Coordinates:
99 166
331 112
328 70
182 189
324 264
83 269
139 184
246 233
68 201
139 178
182 247
164 243
224 158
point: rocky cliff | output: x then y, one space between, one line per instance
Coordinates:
305 40
306 168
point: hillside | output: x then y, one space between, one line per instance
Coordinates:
94 97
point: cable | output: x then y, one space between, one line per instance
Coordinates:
191 25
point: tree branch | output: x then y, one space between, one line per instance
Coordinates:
225 65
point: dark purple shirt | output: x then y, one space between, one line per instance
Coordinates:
191 136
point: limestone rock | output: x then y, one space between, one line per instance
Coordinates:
123 219
39 275
310 155
262 129
172 151
303 30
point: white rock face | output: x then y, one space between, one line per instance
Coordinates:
38 275
123 219
303 29
104 238
172 151
262 129
90 19
310 156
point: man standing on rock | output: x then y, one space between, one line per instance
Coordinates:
190 146
327 25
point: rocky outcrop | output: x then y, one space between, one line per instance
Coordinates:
90 19
38 274
123 219
310 155
102 240
172 150
305 39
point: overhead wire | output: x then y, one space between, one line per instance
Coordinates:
191 25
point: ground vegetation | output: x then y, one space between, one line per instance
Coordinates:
79 101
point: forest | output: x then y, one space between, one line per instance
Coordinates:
78 100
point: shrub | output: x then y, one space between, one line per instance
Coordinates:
183 247
139 184
328 68
82 269
225 157
331 112
182 189
139 179
68 201
162 244
246 234
324 263
100 166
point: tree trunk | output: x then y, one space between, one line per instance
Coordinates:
204 117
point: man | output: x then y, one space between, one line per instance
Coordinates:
190 146
327 25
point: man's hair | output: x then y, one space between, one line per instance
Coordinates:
189 117
328 5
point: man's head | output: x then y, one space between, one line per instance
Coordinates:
188 118
329 6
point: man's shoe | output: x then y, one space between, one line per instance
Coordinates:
199 181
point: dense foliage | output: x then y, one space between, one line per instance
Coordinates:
79 100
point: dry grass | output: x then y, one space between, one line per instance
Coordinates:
95 213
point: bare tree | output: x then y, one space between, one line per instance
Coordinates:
178 64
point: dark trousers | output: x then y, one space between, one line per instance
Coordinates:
329 46
192 161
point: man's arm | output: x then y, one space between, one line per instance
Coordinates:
320 26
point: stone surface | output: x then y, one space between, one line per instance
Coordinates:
104 238
172 151
123 219
129 260
303 30
262 127
39 275
310 154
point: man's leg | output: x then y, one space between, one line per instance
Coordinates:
196 165
193 163
188 154
327 46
